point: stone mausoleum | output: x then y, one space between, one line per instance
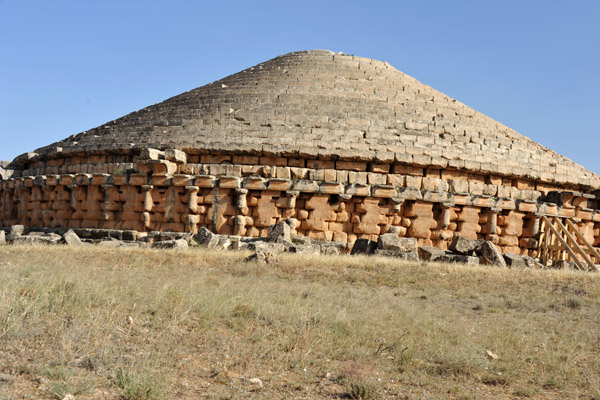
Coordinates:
344 147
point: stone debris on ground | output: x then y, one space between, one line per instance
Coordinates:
258 382
465 246
428 253
514 260
491 255
364 246
72 239
279 240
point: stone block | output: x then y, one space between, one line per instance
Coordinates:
459 186
71 238
306 186
171 244
514 260
273 247
280 230
464 246
428 253
391 241
152 154
351 166
458 259
17 229
205 237
408 256
2 238
491 255
305 249
37 239
363 246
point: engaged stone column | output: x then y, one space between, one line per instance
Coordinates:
193 198
493 221
536 225
293 195
107 200
192 219
242 203
446 214
398 202
239 225
72 197
147 204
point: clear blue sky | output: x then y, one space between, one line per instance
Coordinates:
67 66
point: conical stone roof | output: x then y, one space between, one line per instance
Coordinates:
320 104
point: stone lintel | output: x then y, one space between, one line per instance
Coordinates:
206 181
331 188
279 184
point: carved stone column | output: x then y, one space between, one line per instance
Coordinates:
242 202
193 198
192 219
147 205
493 221
293 195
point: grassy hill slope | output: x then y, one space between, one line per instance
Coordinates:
145 324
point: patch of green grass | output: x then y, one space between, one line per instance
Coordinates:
139 384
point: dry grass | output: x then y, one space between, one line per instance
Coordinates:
145 324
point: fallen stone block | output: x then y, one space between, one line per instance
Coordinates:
37 239
11 237
465 246
114 243
267 247
280 230
333 248
363 246
514 260
71 238
130 235
458 259
205 237
491 255
529 261
17 229
171 244
428 253
305 249
299 239
222 243
403 255
391 241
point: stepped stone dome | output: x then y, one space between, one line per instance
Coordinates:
339 147
321 104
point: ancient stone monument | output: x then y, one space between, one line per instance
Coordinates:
344 147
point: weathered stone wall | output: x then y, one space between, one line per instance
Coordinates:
330 200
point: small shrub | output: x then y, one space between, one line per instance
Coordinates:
361 390
572 302
525 392
243 311
138 385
